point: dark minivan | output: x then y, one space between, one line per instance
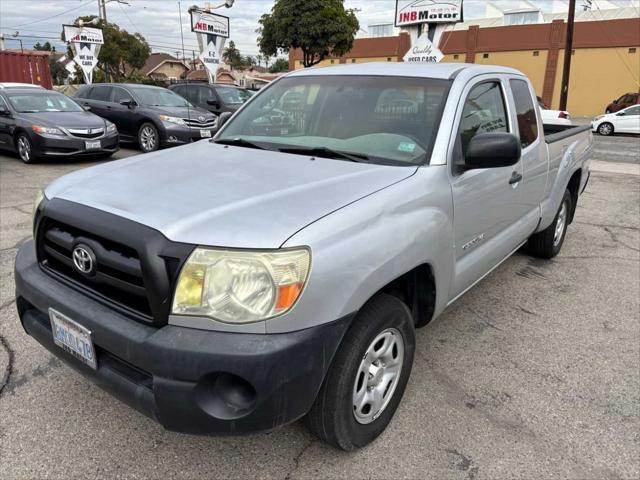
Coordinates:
153 117
214 98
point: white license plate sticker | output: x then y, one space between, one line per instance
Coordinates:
205 133
73 338
92 145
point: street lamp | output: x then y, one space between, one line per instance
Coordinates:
14 35
208 7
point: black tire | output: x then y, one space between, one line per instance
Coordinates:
24 147
148 137
546 244
332 417
605 128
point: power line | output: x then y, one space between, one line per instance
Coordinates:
52 16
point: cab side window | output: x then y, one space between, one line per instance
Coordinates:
525 112
101 93
204 94
120 95
484 111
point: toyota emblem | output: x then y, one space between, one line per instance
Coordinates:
201 119
84 259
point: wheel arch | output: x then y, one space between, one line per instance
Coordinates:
417 289
574 189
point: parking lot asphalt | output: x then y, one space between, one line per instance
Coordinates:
535 373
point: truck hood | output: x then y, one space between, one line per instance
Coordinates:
227 196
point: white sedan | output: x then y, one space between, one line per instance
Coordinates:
553 117
624 121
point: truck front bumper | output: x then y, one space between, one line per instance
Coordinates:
192 381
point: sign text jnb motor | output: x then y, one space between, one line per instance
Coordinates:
413 12
212 30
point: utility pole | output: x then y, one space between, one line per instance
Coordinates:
568 47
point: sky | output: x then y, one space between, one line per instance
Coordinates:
159 20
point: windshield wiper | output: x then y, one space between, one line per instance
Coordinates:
326 152
239 142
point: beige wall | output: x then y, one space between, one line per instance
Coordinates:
171 70
598 76
532 66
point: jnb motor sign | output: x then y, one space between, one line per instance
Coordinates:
412 12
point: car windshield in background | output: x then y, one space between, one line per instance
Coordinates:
158 97
231 95
36 102
391 120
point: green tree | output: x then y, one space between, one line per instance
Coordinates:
46 47
123 53
317 27
280 65
58 72
233 57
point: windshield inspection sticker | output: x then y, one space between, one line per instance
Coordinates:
406 147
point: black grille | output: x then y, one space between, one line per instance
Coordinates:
118 275
136 266
86 133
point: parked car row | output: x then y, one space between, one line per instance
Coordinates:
36 123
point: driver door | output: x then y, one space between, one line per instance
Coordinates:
487 202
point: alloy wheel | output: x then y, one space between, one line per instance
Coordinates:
24 149
378 376
148 139
561 224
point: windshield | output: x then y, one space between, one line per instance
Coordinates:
159 97
378 119
35 102
245 94
231 95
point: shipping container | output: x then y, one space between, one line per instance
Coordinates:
27 67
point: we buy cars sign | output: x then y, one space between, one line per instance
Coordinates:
413 12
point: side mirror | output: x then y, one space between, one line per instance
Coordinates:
86 107
128 103
620 114
4 112
615 102
213 103
223 118
492 150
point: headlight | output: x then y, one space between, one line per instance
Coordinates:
176 120
111 127
38 200
46 130
237 286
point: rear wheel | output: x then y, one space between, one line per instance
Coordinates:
25 149
547 243
148 138
605 128
368 376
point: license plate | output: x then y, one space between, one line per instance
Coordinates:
73 338
91 145
205 133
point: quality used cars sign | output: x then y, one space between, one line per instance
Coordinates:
412 12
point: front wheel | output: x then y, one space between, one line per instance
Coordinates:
368 376
25 149
148 138
605 128
547 243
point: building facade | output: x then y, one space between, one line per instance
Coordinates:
605 62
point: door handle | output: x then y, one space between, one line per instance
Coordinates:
515 178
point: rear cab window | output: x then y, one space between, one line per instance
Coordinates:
525 112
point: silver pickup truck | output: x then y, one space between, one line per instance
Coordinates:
279 270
